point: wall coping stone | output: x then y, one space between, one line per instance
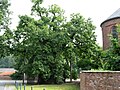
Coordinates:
99 71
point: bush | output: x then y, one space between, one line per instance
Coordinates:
16 76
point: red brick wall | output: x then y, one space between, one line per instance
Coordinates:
100 80
106 31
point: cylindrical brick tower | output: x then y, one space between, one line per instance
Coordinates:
108 28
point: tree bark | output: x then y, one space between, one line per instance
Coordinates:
39 79
23 78
70 71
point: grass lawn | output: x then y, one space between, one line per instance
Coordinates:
67 86
9 87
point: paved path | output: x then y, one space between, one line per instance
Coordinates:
4 83
2 87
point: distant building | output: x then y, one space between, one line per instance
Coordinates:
5 73
109 27
7 70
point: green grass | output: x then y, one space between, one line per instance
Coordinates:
7 86
68 86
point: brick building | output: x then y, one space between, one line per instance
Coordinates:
109 28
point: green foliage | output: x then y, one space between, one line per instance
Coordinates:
17 76
4 28
38 44
75 74
82 38
4 14
51 48
110 61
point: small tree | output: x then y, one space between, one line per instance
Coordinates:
82 47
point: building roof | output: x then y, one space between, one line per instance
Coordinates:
115 15
6 73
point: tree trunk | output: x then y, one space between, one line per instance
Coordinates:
23 78
39 79
70 71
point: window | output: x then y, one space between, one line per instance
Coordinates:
114 32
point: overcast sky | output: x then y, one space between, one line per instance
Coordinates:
97 10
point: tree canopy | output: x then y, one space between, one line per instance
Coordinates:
47 46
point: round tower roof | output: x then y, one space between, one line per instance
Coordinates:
115 15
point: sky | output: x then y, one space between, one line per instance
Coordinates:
97 10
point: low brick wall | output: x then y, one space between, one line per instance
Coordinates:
108 80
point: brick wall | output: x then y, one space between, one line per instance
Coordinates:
106 31
100 80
